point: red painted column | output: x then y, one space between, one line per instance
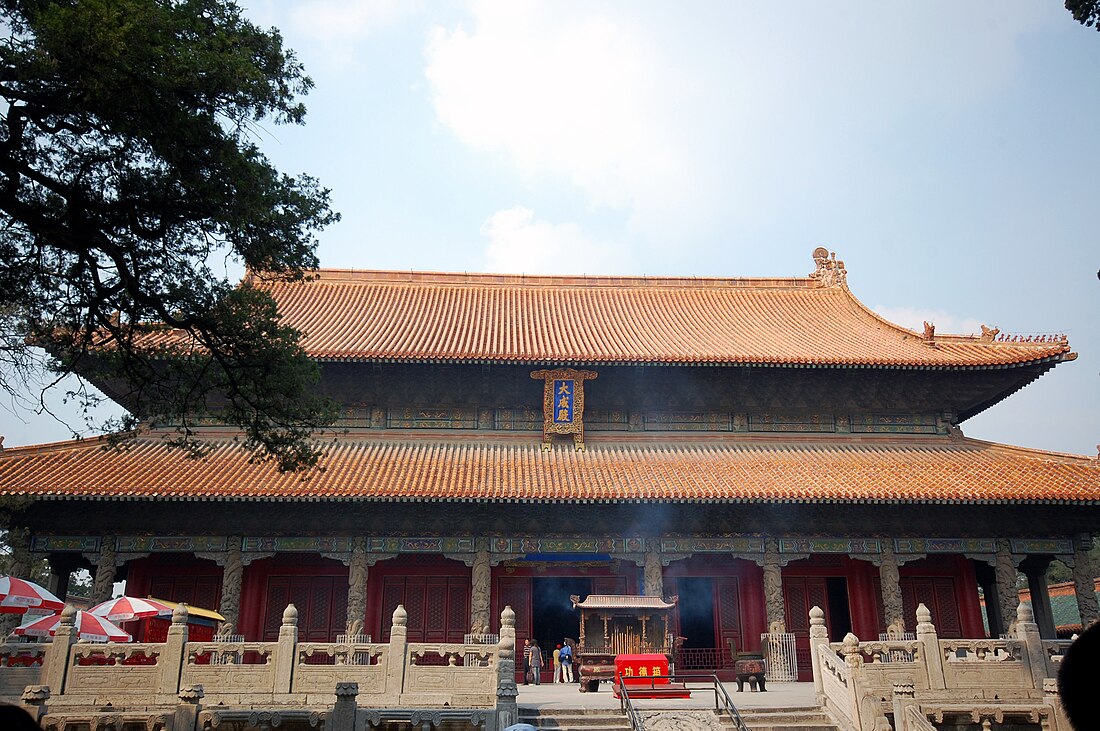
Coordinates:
753 613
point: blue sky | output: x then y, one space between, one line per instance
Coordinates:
946 151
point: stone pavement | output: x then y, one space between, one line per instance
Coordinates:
566 695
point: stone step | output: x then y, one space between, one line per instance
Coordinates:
594 719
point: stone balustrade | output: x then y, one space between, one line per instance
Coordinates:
862 684
185 685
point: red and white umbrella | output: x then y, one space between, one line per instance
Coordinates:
18 595
88 627
126 608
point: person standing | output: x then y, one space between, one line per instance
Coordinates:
536 662
557 664
565 655
526 662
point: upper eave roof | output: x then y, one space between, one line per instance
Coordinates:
474 467
349 315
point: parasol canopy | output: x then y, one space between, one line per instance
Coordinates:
19 595
88 627
126 608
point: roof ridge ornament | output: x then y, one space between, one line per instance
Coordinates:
830 271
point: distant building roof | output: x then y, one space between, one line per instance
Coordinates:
349 315
438 466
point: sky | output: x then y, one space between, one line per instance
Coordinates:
945 151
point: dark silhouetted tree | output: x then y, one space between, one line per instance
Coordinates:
128 171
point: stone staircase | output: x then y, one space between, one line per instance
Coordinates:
603 719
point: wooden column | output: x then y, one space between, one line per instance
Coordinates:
1084 574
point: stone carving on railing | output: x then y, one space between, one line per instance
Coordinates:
235 680
980 681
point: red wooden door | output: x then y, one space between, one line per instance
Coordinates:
938 594
321 602
515 592
800 593
195 591
438 607
727 613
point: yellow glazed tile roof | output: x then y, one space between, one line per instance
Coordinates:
418 316
436 466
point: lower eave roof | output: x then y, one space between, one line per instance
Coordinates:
453 467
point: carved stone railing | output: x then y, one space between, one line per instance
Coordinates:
20 666
976 681
175 679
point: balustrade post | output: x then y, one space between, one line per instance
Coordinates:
930 649
1053 696
1027 632
343 713
187 709
819 635
55 662
286 657
397 654
507 710
34 701
173 656
904 696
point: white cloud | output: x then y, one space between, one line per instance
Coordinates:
584 96
520 244
340 21
722 114
946 323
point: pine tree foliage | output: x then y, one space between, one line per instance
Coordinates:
128 170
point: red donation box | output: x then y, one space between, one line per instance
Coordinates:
642 671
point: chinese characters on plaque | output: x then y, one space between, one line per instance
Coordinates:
563 404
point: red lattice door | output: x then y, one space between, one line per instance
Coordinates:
800 593
727 612
438 607
515 592
321 602
204 592
938 594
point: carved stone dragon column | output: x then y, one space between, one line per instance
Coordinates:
773 587
1083 584
890 578
20 567
1007 595
232 577
105 571
480 582
358 570
652 576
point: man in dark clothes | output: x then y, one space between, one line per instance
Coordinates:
536 662
526 662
